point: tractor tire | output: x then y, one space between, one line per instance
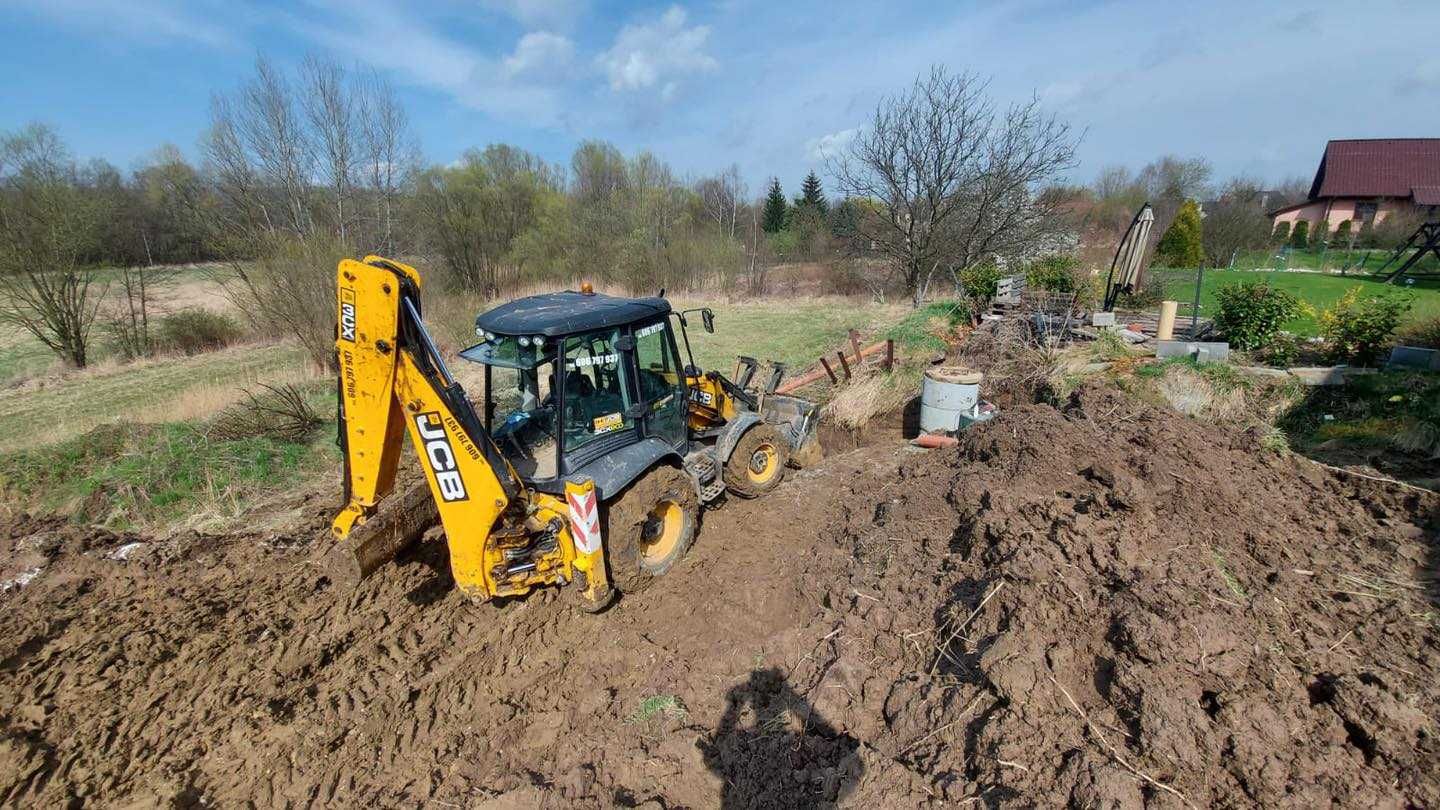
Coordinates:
649 527
757 465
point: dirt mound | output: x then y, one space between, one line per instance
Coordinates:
1150 610
1103 603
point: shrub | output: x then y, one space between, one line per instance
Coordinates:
192 331
1342 233
1182 246
1282 351
1281 232
1319 234
1300 236
1250 313
979 282
1059 273
277 412
1357 329
1422 333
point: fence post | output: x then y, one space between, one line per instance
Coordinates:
1195 308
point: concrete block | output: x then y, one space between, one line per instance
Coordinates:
1102 319
1200 351
1327 375
1402 357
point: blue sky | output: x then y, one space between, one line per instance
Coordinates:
1257 87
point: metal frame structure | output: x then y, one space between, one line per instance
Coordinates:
1430 233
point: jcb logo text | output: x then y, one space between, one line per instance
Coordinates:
440 457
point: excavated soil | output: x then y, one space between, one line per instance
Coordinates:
1100 604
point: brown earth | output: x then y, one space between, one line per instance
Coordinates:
1102 604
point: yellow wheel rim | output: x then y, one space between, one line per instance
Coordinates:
662 531
764 463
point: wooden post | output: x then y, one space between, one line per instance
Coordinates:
833 378
845 364
889 355
855 346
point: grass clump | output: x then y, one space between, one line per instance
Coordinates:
152 476
930 328
279 412
1388 411
654 706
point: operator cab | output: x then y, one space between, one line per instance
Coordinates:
572 377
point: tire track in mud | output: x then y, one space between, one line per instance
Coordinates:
228 669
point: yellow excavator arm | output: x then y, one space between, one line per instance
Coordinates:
503 538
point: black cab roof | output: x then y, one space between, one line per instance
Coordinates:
567 313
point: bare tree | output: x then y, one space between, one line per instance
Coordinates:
720 197
956 180
329 105
48 223
390 155
1234 222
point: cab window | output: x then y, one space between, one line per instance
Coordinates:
659 371
596 389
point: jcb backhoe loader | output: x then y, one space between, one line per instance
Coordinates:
590 458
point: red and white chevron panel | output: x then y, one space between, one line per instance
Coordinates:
584 520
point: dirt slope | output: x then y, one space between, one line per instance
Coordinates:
1098 604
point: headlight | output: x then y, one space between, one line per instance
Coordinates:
490 336
479 332
539 341
524 341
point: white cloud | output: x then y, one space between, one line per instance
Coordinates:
657 55
537 53
143 20
829 146
562 14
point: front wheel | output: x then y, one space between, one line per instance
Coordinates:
758 462
650 526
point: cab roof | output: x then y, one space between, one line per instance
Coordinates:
567 313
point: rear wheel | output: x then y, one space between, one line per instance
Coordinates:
757 464
650 527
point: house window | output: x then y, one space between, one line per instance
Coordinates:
1365 211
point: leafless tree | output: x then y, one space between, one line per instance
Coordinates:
956 180
1234 222
720 196
329 103
390 155
275 134
48 222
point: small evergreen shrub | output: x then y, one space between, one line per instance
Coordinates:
1342 233
1281 232
1181 245
1300 236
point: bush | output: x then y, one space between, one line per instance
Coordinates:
192 331
1282 351
980 283
1250 313
1182 246
1300 236
1281 232
1422 333
277 412
1342 233
1357 329
1319 234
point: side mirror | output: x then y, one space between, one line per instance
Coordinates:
709 318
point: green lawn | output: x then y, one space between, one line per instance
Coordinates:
1333 260
793 331
1318 290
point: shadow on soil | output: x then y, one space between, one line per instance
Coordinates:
773 751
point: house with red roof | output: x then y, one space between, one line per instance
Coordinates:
1369 180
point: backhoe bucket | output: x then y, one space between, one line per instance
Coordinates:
401 519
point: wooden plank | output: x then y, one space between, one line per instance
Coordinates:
845 364
818 375
889 355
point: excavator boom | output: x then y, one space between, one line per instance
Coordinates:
503 539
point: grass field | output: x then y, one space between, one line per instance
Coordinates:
128 444
1316 289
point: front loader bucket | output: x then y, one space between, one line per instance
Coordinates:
798 420
400 520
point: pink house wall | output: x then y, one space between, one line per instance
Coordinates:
1338 211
